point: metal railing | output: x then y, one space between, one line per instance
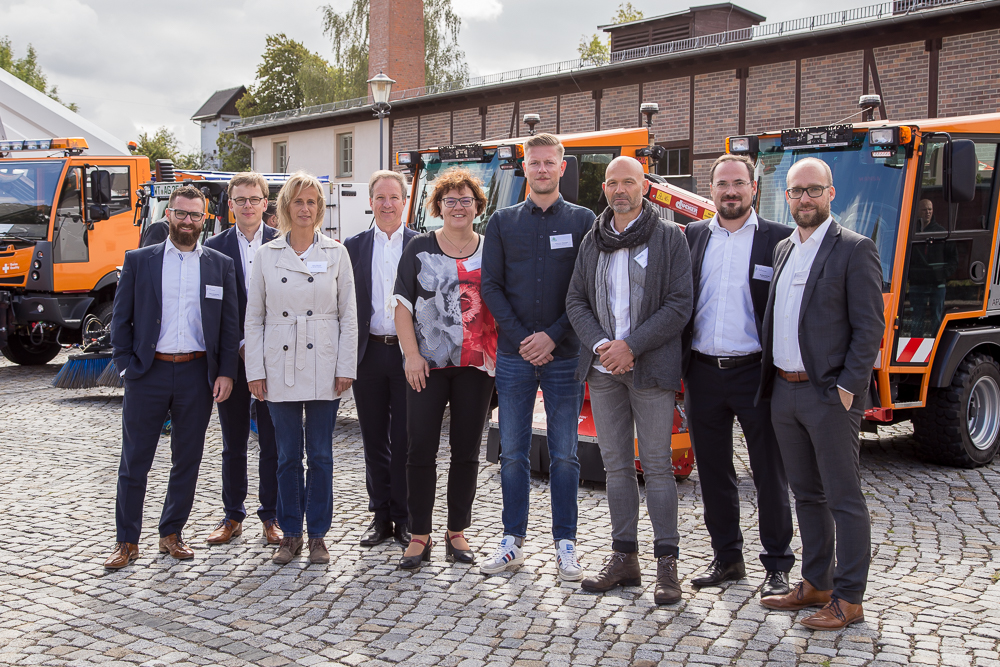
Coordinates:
859 14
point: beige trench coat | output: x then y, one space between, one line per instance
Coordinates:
302 321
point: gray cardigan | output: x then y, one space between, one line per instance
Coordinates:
656 329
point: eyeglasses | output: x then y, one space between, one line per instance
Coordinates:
813 191
241 201
725 185
452 202
181 214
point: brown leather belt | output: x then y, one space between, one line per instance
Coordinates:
793 377
179 358
385 340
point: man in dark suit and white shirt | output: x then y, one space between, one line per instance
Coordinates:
174 334
241 242
380 390
731 268
822 333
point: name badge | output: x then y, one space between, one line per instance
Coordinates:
763 272
316 267
213 292
642 258
557 241
472 263
800 277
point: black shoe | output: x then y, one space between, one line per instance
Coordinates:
775 583
378 532
718 572
402 534
412 563
455 555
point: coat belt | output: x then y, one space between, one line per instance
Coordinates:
296 359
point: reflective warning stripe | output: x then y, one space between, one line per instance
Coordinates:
914 350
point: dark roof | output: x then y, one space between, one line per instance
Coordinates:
692 10
221 103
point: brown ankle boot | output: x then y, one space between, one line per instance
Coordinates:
288 548
668 588
622 569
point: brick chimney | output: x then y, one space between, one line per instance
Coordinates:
396 41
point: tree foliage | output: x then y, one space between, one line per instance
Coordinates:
163 145
444 61
277 86
233 155
29 70
348 33
597 51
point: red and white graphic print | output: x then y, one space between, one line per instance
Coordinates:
914 350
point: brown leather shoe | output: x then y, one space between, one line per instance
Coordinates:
835 615
668 588
124 553
224 531
174 545
272 533
317 551
622 569
803 595
289 548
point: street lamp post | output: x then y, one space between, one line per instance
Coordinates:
380 86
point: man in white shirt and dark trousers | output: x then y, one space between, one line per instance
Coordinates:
731 270
175 336
629 301
380 390
821 336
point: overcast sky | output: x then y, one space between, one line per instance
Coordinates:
134 65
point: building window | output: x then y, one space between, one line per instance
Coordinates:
345 155
280 157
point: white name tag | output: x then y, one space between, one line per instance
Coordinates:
213 292
558 241
316 267
800 277
642 258
472 263
763 272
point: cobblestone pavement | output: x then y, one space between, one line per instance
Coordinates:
934 596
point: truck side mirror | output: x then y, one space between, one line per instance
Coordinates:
569 184
964 168
100 195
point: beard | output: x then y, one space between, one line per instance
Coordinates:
733 209
545 188
807 219
626 205
185 238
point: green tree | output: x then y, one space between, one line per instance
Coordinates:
277 87
163 145
233 155
597 51
444 61
29 70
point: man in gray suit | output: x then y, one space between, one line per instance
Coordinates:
822 330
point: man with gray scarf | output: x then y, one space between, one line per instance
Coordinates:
629 300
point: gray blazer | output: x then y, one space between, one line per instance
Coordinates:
656 329
841 322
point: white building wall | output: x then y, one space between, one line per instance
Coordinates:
315 151
210 131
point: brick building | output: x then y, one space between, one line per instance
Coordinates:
926 58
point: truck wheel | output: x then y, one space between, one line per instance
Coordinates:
22 351
103 313
960 424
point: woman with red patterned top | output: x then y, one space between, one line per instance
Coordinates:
449 343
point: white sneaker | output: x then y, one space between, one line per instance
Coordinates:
505 556
569 566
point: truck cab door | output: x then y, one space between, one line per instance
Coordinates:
70 242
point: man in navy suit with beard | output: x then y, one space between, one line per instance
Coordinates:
174 333
380 390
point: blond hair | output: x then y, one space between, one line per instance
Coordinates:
545 139
248 178
383 174
296 183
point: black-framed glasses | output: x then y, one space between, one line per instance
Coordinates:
181 214
813 191
241 201
451 202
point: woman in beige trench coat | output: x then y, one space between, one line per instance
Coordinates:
301 355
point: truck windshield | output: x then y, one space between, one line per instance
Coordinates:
501 186
869 190
27 190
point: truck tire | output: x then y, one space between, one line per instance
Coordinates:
103 313
960 425
22 351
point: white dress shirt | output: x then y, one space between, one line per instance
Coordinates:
788 298
180 328
618 295
724 323
386 251
248 249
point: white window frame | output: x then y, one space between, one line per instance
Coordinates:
280 165
345 155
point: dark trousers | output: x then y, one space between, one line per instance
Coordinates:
183 390
380 397
468 391
713 398
820 446
234 416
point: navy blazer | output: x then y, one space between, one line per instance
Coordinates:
228 244
135 323
360 248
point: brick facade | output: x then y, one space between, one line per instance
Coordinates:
831 86
468 125
392 41
771 97
620 107
902 71
577 113
545 108
969 74
498 121
404 136
674 98
716 108
435 130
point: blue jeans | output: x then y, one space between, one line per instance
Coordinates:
309 495
517 384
